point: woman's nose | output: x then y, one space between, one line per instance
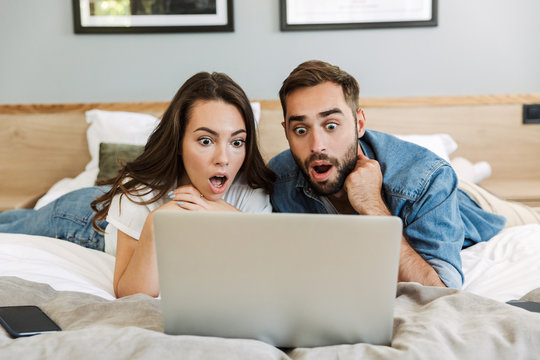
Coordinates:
221 156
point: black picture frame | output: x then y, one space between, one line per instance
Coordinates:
307 25
154 23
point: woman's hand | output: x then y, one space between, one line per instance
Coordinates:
188 197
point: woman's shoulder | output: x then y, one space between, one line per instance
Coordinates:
140 199
245 198
128 212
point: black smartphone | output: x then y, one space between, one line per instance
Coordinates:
26 320
527 305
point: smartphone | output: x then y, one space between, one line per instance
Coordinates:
527 305
26 320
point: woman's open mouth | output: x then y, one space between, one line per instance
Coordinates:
217 183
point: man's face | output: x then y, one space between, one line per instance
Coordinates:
323 133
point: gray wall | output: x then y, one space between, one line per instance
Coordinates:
479 47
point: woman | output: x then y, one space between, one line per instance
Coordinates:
203 155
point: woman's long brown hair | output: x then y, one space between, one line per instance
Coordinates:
160 165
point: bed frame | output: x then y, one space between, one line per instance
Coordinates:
41 144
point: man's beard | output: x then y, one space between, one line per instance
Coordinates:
344 168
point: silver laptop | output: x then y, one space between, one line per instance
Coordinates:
291 280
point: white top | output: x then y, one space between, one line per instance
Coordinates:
129 217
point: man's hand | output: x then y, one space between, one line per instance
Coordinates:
363 187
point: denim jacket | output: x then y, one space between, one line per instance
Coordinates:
419 187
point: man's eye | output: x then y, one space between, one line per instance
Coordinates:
331 126
238 143
300 131
205 141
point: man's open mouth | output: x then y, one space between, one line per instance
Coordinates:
321 169
321 173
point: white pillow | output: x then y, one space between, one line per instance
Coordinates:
472 172
441 144
116 127
105 126
256 107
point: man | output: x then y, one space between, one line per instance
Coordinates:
335 165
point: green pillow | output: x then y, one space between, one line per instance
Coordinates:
113 156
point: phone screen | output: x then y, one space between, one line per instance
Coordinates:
26 320
527 305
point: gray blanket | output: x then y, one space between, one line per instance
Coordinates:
429 323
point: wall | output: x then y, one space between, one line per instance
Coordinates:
479 47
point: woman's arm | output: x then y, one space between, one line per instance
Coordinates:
135 270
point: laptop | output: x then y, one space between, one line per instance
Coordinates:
290 280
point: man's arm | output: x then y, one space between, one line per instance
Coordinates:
363 188
413 268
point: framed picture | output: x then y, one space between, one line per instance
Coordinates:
356 14
152 16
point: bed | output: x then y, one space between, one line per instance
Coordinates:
74 284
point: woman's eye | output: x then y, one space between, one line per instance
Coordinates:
205 141
331 126
300 131
238 143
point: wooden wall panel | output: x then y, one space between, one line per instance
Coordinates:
40 144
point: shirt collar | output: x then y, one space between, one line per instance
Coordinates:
302 184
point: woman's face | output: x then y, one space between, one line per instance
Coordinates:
213 149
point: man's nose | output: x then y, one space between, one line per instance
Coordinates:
318 142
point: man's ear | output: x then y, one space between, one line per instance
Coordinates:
285 129
361 122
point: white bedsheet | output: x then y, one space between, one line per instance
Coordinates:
59 263
504 268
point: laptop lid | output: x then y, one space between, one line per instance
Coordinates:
291 280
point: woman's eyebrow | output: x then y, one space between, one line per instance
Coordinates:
216 134
239 132
207 130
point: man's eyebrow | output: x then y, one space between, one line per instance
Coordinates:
296 118
322 114
330 112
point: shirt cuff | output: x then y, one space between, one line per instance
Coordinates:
449 275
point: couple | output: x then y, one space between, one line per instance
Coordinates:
203 155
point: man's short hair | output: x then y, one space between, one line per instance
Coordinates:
315 72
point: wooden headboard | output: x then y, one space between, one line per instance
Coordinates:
41 144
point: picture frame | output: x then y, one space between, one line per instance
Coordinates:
154 16
299 15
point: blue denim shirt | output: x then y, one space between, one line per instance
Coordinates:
419 187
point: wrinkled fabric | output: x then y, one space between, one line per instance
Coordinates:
429 323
